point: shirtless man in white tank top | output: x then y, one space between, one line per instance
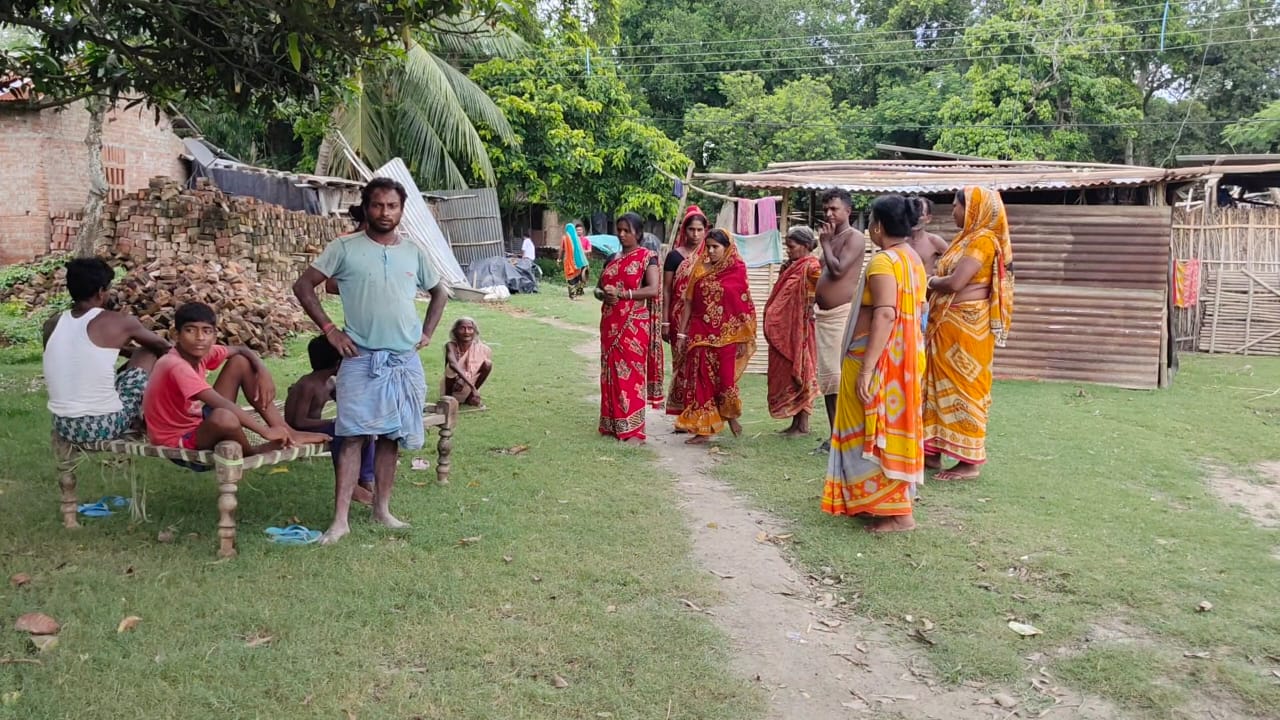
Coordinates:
89 399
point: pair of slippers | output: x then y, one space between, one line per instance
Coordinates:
102 508
293 535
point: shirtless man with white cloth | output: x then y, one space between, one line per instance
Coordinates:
843 251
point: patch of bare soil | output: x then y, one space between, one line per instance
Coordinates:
1258 498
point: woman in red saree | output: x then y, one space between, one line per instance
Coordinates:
675 277
716 335
628 287
789 330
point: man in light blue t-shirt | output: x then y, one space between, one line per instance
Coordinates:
381 387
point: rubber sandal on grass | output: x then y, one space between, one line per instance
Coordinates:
293 535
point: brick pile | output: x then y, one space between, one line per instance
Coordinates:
167 221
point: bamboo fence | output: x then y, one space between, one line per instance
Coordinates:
1238 310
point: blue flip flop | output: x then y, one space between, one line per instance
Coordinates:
102 508
293 535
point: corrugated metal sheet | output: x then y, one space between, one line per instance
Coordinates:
471 222
761 280
1090 296
931 177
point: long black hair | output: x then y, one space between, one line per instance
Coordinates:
896 214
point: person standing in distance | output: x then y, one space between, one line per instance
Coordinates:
381 385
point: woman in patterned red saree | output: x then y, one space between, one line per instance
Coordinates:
675 277
716 335
628 288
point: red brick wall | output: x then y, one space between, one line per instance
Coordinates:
44 167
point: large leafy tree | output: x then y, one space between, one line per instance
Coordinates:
798 121
238 51
1257 134
582 145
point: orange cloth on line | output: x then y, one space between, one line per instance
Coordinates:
722 339
877 449
962 337
1186 283
793 345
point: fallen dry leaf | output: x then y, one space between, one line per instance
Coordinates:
1023 629
11 698
37 624
20 579
128 624
536 578
258 640
611 608
470 540
559 683
419 484
419 464
1004 701
166 536
513 450
918 634
43 643
278 470
1196 655
713 525
1204 606
507 559
762 537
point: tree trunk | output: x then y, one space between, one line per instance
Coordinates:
1128 150
91 224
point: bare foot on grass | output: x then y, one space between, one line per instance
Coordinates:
698 440
735 427
389 520
897 523
334 534
961 471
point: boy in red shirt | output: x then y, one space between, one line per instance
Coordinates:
182 410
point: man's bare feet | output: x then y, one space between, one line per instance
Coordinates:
735 427
896 523
698 440
334 534
961 471
793 431
362 495
390 521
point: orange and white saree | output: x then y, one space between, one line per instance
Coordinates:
962 336
877 449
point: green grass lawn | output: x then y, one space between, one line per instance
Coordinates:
579 569
1093 511
1093 521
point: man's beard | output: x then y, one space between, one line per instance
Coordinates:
384 225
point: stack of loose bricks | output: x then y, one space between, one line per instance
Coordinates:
166 221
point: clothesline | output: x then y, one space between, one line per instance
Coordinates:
695 188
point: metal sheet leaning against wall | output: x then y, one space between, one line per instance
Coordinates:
471 222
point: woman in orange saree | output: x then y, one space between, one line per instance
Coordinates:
675 278
789 331
970 308
877 444
628 286
717 336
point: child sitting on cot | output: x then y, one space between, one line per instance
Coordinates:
305 404
183 411
467 363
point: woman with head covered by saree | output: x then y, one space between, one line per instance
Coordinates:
716 337
877 444
675 277
970 308
789 330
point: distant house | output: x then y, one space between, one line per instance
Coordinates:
44 166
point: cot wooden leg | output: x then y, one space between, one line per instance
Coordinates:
444 448
229 466
65 455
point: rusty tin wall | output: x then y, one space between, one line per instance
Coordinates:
1090 300
471 222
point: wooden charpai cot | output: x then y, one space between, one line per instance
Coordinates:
229 465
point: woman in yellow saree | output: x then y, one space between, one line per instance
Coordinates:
877 443
970 308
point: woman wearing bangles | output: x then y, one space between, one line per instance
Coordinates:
877 444
716 337
627 287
